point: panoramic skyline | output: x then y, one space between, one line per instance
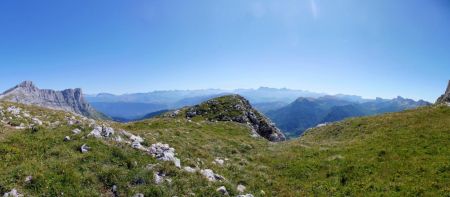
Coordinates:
379 48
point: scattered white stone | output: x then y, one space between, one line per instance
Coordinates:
114 190
164 152
76 131
210 175
177 162
13 110
97 132
55 124
118 139
136 138
100 132
67 138
138 195
85 148
28 179
240 188
132 137
189 169
137 145
70 122
12 193
108 131
36 121
158 177
222 190
218 161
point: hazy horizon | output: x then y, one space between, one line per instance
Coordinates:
218 89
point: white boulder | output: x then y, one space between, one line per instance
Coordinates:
222 190
12 193
210 175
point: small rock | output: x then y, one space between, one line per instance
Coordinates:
13 110
118 139
96 132
158 177
12 193
246 195
76 131
100 132
114 191
241 188
108 131
36 121
138 195
219 161
177 162
137 145
85 148
132 137
28 179
223 190
210 175
189 169
67 138
164 152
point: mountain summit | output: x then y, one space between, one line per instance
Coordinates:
70 100
236 108
445 98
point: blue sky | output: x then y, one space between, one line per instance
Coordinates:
369 48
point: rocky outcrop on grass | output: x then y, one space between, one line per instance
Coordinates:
236 108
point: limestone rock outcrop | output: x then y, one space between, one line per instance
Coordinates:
445 98
237 109
70 100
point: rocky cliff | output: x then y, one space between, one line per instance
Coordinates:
445 98
68 100
237 109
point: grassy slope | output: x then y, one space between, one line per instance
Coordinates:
399 154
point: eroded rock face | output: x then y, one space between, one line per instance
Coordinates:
445 98
237 109
70 100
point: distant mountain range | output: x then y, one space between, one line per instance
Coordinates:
138 105
293 111
305 113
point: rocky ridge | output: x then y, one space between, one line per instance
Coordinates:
445 98
236 108
70 100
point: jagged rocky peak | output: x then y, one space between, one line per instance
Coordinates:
237 109
68 100
445 98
